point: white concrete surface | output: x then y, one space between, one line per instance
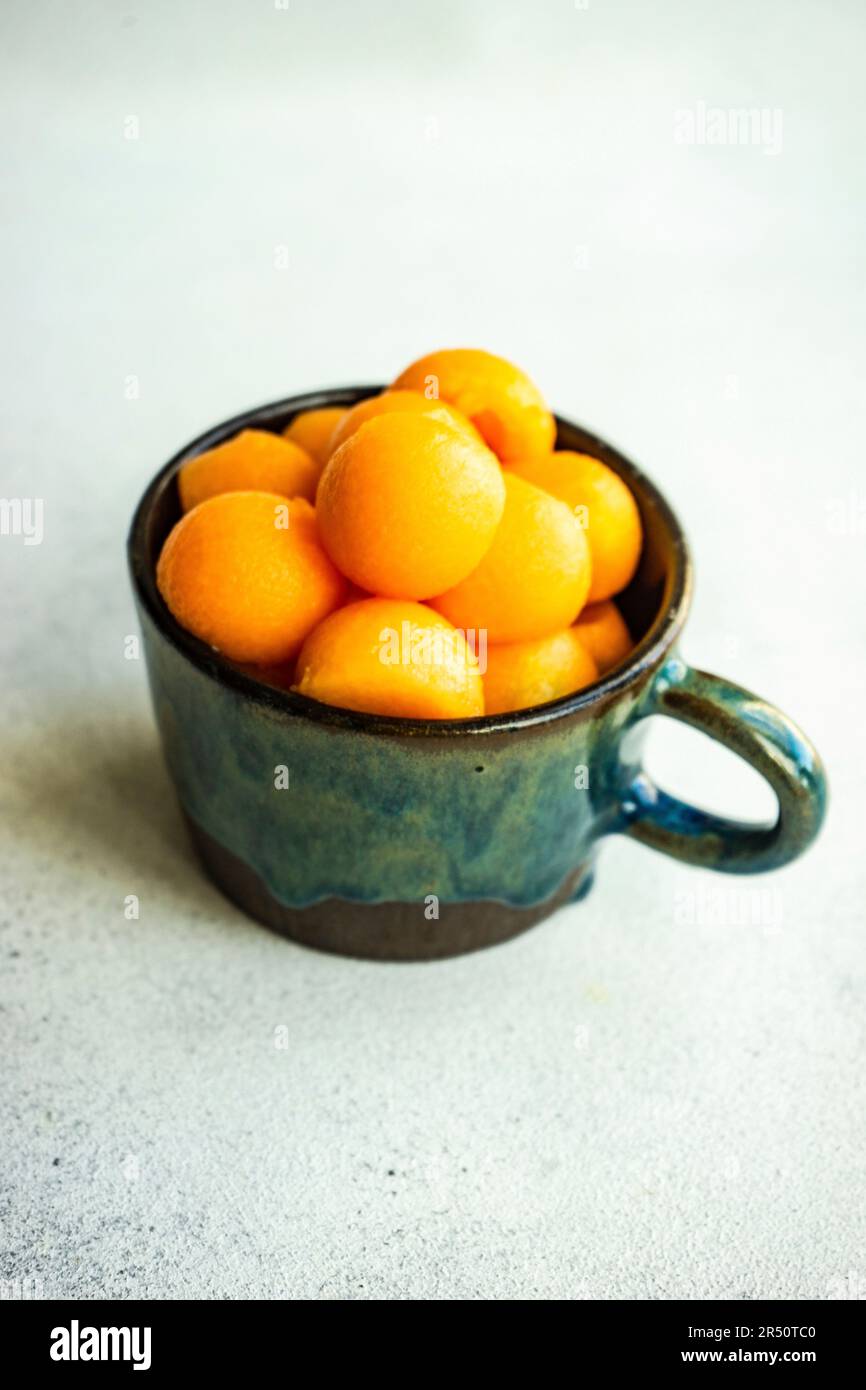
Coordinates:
641 1098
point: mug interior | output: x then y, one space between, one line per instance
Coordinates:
654 604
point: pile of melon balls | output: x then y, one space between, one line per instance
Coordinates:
426 553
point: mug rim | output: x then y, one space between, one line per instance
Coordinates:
646 654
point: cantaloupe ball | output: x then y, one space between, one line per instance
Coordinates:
245 572
522 674
407 506
500 400
400 402
253 461
535 576
312 430
602 630
388 656
603 501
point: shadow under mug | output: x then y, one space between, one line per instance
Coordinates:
408 839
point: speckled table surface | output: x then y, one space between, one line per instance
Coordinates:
660 1093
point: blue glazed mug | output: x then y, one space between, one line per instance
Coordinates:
409 839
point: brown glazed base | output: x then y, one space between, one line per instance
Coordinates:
379 931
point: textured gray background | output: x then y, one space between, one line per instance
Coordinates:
642 1098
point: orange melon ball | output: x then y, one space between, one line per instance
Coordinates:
522 674
602 630
399 402
500 400
388 656
253 461
245 572
534 578
603 503
408 506
312 430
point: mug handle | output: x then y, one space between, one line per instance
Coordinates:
767 740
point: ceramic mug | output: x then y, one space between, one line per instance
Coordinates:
409 839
